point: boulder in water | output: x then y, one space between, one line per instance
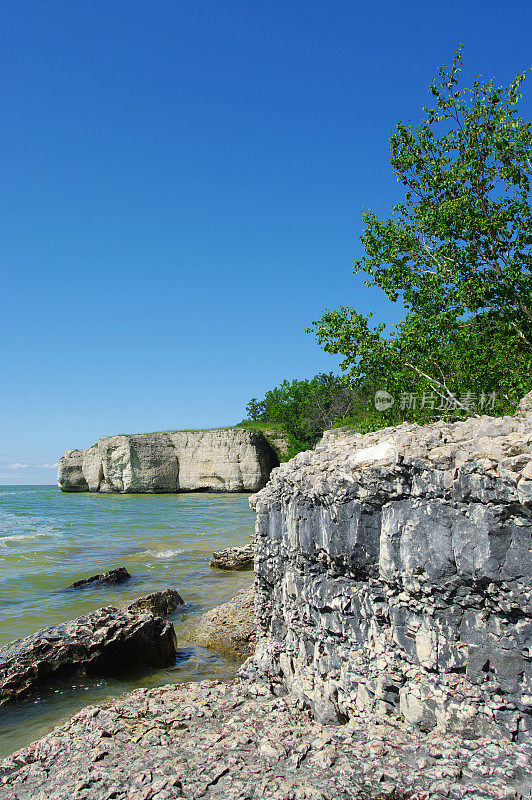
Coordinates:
118 575
234 558
230 628
159 603
105 641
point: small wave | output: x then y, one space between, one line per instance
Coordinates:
14 491
21 537
21 527
163 553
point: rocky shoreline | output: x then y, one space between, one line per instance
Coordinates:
394 576
106 641
242 742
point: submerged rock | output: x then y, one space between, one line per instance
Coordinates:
106 641
234 558
159 603
225 460
118 575
230 628
240 742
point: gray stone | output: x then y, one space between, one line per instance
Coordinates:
230 628
241 742
70 473
279 440
118 575
393 575
393 595
525 406
105 641
224 460
159 603
234 558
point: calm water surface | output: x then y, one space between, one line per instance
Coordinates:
49 539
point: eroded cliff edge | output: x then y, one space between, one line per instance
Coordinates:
223 460
394 576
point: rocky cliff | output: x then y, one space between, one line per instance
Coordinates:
224 460
394 576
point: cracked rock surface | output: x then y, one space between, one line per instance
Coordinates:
160 603
234 558
394 575
237 742
105 641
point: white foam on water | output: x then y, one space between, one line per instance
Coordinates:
15 492
21 537
21 528
163 553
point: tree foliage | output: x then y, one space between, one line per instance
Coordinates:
305 408
457 252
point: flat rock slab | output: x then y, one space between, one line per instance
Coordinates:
234 558
230 628
159 603
239 742
105 641
119 575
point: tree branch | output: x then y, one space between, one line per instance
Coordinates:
446 393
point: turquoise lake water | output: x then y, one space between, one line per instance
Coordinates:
49 539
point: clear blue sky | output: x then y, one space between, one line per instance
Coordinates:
181 192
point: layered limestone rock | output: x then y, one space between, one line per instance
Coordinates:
225 460
394 575
279 440
161 604
214 741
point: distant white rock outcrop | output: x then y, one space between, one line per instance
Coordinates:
223 460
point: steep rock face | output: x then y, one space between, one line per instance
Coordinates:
225 460
394 575
279 439
70 472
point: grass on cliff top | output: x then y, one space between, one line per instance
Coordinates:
259 426
247 425
179 430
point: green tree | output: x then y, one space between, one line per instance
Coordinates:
305 408
254 409
457 252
